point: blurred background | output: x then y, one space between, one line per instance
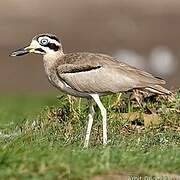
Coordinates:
145 34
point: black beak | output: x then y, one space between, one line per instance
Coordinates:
20 52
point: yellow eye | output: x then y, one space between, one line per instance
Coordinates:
44 42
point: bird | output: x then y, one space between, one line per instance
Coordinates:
89 75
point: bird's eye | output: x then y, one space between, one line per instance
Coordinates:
44 42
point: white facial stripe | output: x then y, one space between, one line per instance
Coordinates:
34 44
47 49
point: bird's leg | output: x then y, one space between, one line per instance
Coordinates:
90 122
104 116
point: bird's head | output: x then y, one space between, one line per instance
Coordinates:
41 44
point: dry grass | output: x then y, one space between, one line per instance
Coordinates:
49 144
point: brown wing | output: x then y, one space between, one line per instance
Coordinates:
97 73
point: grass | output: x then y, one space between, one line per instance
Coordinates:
42 138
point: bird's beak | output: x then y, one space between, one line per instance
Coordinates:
29 49
22 51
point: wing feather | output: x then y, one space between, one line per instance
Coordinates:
103 75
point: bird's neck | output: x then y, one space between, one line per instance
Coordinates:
50 60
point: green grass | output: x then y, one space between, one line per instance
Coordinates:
42 138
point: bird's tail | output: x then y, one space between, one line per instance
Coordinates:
157 89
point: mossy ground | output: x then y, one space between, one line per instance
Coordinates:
42 138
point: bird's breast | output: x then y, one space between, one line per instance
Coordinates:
63 87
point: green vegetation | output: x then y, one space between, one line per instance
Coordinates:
42 138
